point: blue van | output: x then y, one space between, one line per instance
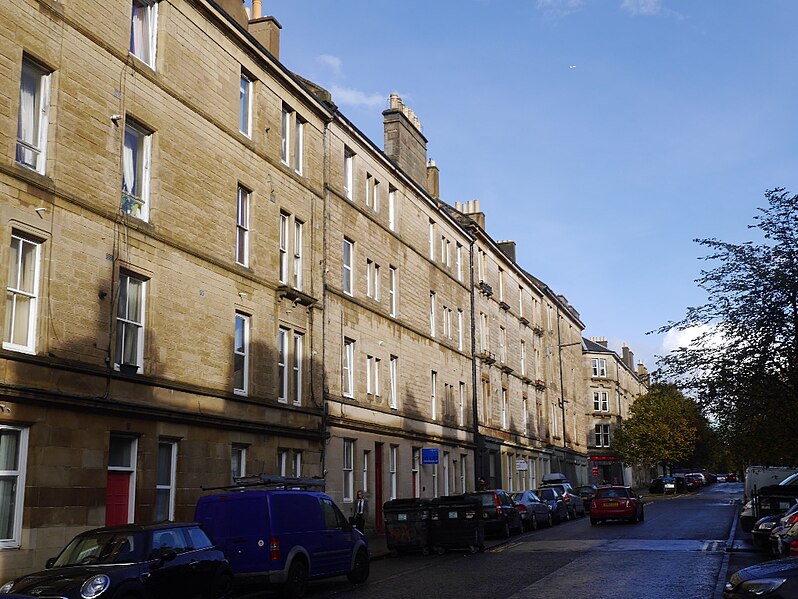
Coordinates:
284 537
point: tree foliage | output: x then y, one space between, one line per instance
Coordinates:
663 428
743 368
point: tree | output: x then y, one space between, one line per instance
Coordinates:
663 428
743 367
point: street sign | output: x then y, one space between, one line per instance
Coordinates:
429 455
521 465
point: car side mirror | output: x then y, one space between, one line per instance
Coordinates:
50 563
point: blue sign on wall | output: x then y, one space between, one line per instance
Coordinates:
429 455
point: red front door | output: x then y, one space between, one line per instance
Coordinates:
378 523
117 498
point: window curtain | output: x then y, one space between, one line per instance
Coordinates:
26 124
140 31
9 457
130 158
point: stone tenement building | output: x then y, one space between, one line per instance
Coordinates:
211 272
613 383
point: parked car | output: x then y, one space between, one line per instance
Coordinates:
555 478
534 511
693 482
782 525
283 537
157 561
788 542
586 493
616 503
499 512
760 533
557 506
731 477
576 507
663 484
777 579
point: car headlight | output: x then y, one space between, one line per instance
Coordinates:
761 586
6 588
94 586
766 525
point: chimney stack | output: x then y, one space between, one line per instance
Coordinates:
433 180
628 357
471 209
265 29
602 341
405 144
508 249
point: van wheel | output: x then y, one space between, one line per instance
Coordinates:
360 570
223 587
297 584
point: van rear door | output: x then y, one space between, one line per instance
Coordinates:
239 524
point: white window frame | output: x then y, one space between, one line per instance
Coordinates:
296 463
297 367
241 350
599 367
149 35
505 410
392 208
282 364
375 197
605 401
522 357
521 302
434 480
369 189
128 323
299 145
392 291
501 285
393 460
348 467
285 135
14 293
502 345
463 466
238 453
245 105
138 163
432 310
460 341
393 401
349 164
129 468
431 239
242 226
347 261
347 368
458 258
525 421
433 395
298 262
484 331
602 434
461 407
365 479
282 462
415 471
282 274
172 485
31 151
19 472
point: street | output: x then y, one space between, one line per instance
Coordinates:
678 552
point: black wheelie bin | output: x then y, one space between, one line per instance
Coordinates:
457 523
407 525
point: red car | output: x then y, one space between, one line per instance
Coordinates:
616 503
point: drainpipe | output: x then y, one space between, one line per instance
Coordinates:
562 388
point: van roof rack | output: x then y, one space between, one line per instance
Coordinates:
272 481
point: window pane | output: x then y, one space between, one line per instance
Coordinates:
21 320
9 449
162 504
8 502
119 452
164 475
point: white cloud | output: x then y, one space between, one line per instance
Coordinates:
559 8
353 97
333 62
675 339
646 8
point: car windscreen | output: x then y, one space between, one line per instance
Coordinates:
611 494
547 494
103 547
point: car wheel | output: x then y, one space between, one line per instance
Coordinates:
506 530
534 524
550 521
222 586
572 514
593 521
642 515
360 569
297 583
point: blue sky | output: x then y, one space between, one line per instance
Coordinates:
603 136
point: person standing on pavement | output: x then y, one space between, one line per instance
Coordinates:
360 511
